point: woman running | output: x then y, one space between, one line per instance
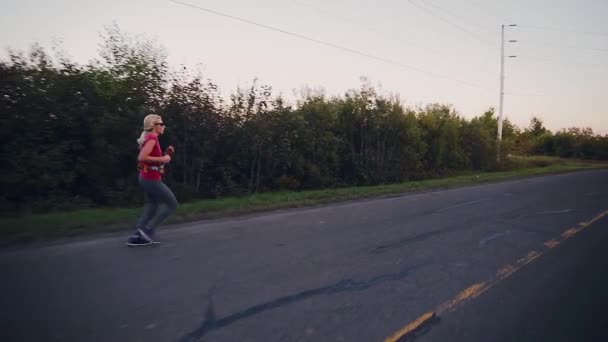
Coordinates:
160 201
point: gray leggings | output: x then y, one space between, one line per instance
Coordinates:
156 194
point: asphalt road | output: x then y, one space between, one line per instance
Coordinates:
357 271
563 296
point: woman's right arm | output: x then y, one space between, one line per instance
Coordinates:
144 154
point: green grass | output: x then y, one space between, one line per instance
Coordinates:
87 221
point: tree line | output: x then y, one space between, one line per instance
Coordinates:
69 133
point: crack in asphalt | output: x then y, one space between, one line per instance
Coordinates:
211 322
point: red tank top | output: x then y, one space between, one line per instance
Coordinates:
156 152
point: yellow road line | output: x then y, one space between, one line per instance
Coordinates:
477 289
531 256
551 243
506 271
467 294
411 327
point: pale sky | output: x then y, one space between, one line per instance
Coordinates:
559 75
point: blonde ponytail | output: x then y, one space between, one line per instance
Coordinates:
140 140
149 122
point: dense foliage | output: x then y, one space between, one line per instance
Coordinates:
69 133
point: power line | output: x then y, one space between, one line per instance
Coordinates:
450 22
524 94
460 17
370 28
360 53
557 46
374 29
479 5
564 30
571 64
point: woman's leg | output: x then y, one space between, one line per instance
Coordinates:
162 195
150 208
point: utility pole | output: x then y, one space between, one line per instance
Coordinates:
502 86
